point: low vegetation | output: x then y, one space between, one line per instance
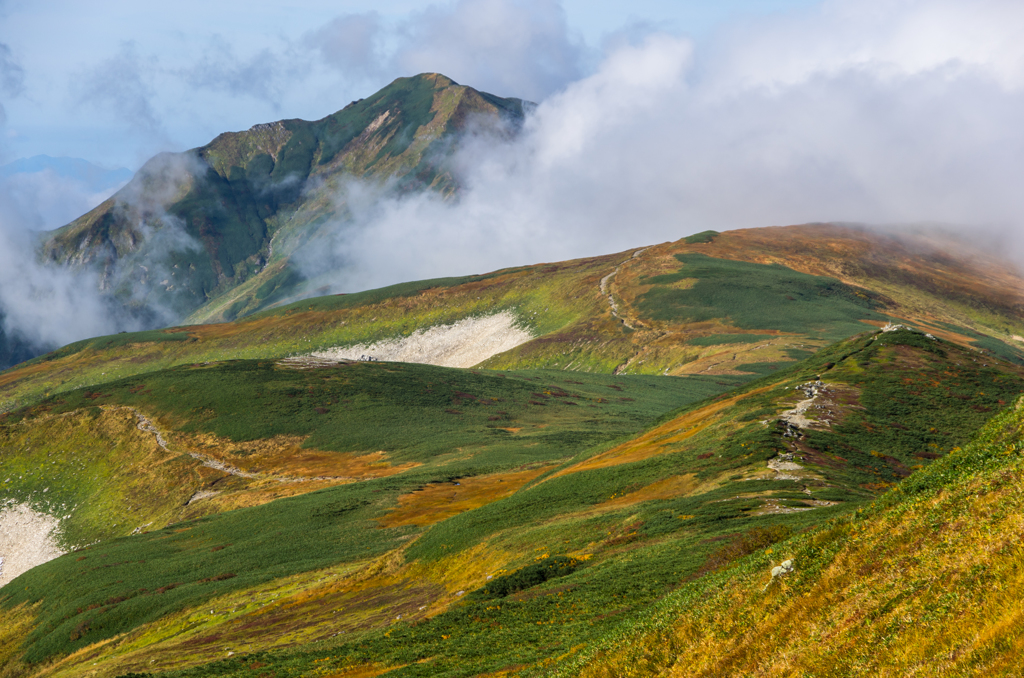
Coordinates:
621 505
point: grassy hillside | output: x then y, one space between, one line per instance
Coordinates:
737 304
925 581
524 516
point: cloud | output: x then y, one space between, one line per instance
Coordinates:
352 44
263 76
45 306
121 86
519 48
516 48
897 112
45 199
12 78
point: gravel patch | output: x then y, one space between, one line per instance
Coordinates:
462 344
26 540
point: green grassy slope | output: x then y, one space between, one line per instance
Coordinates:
503 423
701 308
595 531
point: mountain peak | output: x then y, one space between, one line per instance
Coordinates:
208 216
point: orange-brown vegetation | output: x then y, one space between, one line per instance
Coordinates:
658 440
667 488
440 501
284 456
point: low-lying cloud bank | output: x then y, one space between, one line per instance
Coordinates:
863 111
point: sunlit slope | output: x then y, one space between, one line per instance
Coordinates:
740 303
925 581
191 228
527 536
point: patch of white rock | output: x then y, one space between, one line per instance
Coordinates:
26 540
464 343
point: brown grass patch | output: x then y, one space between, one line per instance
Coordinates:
285 456
440 501
667 488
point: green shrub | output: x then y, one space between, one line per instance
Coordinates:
551 567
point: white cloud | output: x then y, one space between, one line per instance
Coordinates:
886 118
521 48
45 200
122 86
44 305
351 43
516 48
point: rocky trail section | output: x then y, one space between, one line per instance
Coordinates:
146 425
820 398
606 291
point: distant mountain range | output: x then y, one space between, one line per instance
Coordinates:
92 177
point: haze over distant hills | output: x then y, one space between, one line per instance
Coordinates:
92 177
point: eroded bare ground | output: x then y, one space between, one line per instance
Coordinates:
465 343
26 540
235 475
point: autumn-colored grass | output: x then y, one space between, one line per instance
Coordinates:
15 624
439 501
667 488
284 456
927 582
657 440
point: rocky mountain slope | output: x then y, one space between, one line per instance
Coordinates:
192 227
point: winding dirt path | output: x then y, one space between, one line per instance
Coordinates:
606 290
146 425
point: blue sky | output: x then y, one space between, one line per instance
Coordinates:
114 81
